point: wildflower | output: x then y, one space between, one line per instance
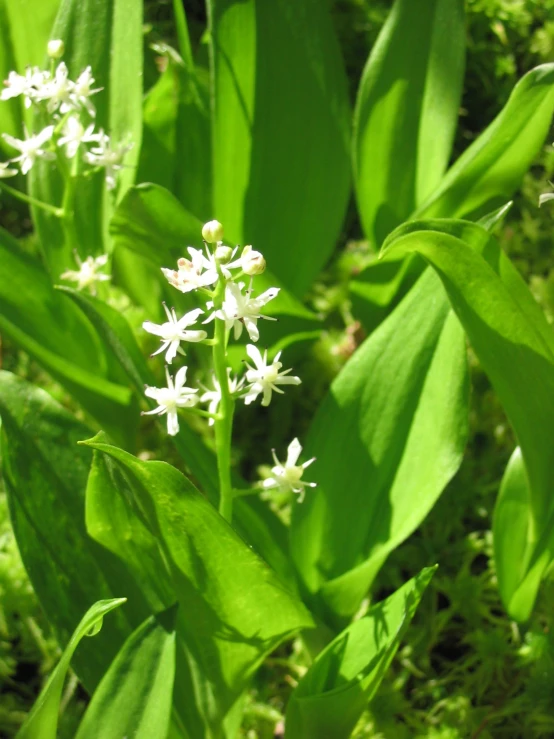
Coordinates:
212 232
198 271
87 274
265 377
6 170
172 397
27 85
31 148
57 91
75 134
107 156
288 476
240 309
174 331
251 261
82 90
213 397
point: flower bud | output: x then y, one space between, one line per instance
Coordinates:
223 254
56 48
212 232
252 262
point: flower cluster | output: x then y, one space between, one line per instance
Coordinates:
68 105
231 304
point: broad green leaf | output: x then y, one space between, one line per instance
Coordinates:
388 437
253 519
55 333
134 697
407 110
235 610
42 722
491 169
335 691
45 473
108 37
515 345
280 120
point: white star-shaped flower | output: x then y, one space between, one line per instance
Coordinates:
213 397
27 85
288 476
57 91
75 134
31 148
239 309
171 398
191 273
107 156
174 331
82 90
265 378
88 273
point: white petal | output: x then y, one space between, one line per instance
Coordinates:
172 423
293 452
254 354
172 351
153 328
267 296
288 380
180 378
252 329
152 392
195 335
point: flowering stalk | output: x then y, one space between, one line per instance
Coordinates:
223 425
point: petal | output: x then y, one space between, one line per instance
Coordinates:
152 392
281 380
238 329
254 354
270 483
266 296
172 351
252 329
172 423
266 400
189 318
293 452
180 378
154 328
195 335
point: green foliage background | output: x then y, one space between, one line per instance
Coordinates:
464 668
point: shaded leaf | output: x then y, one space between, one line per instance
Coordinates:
42 722
280 120
388 437
332 695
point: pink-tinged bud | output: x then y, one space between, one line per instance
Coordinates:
252 262
212 232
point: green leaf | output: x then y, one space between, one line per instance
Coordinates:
515 345
407 110
491 169
387 438
235 610
332 695
280 120
55 333
42 722
45 473
135 696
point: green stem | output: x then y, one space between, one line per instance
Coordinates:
68 208
241 492
58 212
224 424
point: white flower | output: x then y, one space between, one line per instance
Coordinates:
31 148
76 134
104 155
265 377
240 309
6 170
174 331
87 274
172 397
288 476
252 262
57 91
198 271
213 397
55 48
82 90
27 85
